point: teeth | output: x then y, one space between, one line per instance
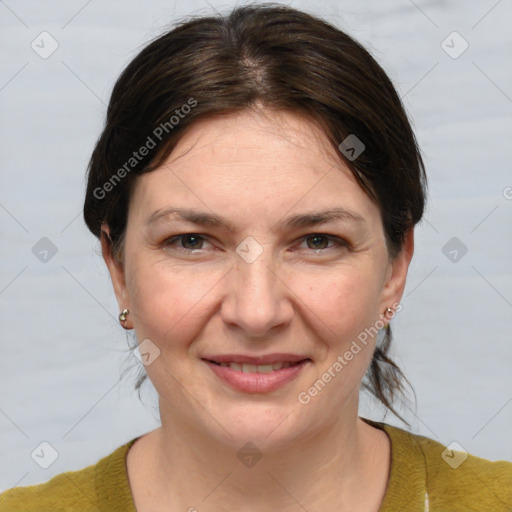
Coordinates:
256 368
249 368
264 368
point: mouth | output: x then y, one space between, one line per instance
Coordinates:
257 374
257 368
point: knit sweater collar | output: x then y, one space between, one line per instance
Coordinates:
406 485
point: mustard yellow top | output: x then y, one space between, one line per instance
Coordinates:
424 477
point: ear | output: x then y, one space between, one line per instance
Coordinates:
394 284
116 270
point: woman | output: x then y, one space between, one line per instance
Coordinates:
255 190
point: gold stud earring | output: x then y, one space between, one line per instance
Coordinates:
123 315
386 313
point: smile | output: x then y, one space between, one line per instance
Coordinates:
256 378
256 368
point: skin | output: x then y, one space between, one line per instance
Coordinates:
301 295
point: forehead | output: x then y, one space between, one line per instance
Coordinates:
237 137
255 161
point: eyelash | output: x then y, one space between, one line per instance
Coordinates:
172 241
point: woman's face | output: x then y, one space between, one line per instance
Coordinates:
255 272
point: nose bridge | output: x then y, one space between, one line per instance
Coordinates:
256 298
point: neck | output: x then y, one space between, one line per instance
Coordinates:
334 467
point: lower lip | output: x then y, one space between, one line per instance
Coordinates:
256 382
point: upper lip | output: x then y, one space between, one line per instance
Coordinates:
265 359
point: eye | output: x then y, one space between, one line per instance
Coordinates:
194 242
186 242
318 241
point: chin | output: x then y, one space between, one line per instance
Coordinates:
268 426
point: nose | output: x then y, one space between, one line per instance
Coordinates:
258 299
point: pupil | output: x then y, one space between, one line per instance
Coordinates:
317 237
190 237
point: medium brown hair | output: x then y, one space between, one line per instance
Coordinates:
281 58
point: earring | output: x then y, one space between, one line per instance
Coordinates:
123 315
386 313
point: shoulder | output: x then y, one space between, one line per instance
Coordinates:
73 490
453 477
453 471
67 491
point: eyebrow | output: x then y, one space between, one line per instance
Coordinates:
294 221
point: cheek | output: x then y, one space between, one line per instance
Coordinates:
343 308
345 300
168 302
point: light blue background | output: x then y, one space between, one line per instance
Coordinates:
62 348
